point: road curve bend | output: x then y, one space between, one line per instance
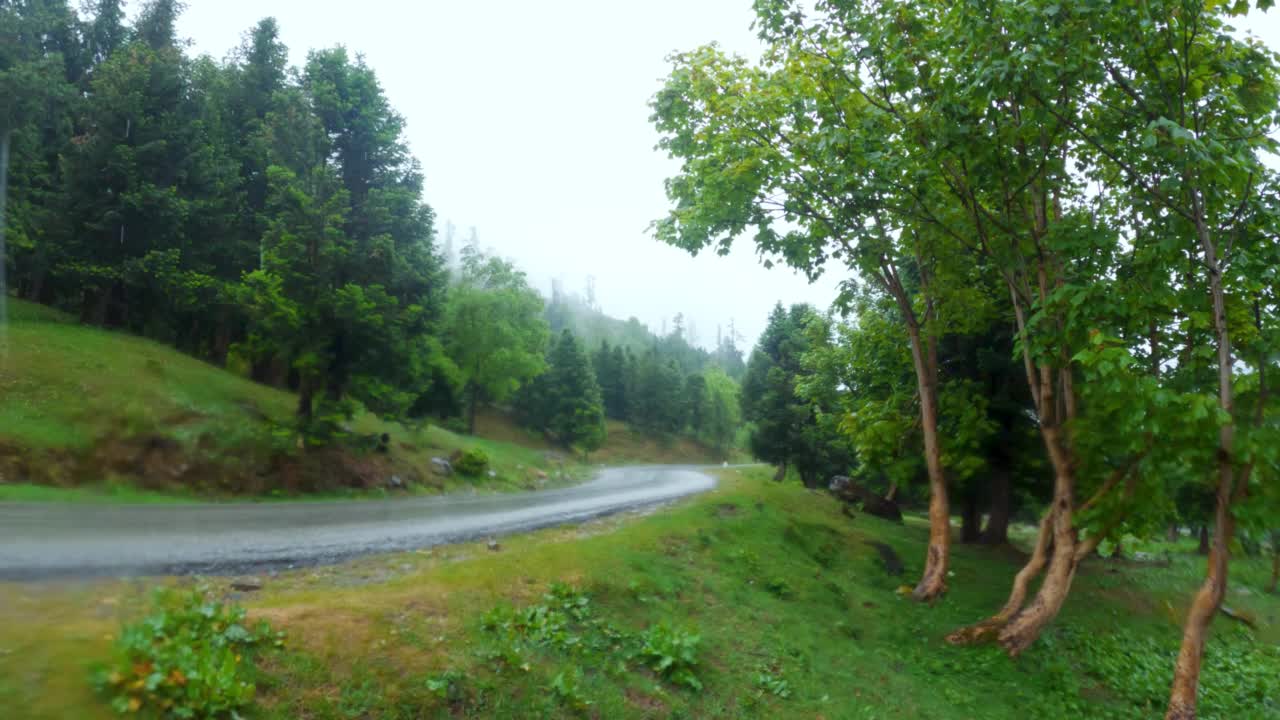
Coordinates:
52 540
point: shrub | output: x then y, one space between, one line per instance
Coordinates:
191 657
672 653
472 463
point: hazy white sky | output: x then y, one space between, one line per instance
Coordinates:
531 122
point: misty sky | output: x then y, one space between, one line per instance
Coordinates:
531 123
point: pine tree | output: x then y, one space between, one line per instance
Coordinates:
565 401
785 429
658 408
696 404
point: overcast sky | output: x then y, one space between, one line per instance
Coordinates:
531 122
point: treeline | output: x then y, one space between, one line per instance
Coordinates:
1080 187
502 349
835 395
252 213
581 314
270 219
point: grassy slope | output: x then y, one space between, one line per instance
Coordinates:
773 577
105 412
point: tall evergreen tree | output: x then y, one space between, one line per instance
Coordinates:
785 429
657 407
575 413
157 24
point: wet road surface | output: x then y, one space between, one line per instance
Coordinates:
49 540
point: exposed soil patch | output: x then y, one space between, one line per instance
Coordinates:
645 702
726 510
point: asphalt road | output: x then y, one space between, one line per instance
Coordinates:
54 540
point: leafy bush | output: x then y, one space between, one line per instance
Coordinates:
472 463
779 587
672 653
191 657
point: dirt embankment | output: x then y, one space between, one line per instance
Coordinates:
160 463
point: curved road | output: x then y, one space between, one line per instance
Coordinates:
51 540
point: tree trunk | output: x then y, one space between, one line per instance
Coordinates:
1204 540
306 390
98 315
1172 534
4 270
990 627
222 339
260 370
997 530
781 473
924 356
1275 561
970 521
893 491
1118 552
1186 673
1028 623
35 289
471 411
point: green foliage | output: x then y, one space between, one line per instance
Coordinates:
565 401
1137 668
241 211
672 653
566 686
767 683
658 406
191 657
787 427
493 327
472 462
447 686
1108 198
722 418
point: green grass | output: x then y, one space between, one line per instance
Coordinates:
110 494
795 614
91 411
68 386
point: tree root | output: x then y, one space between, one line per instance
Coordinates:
979 633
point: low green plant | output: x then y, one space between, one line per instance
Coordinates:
447 686
769 684
190 657
567 689
779 587
472 463
672 653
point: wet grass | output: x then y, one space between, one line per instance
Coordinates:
83 406
795 613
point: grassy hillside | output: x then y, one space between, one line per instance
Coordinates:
795 614
624 445
118 417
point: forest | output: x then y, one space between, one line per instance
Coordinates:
270 219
